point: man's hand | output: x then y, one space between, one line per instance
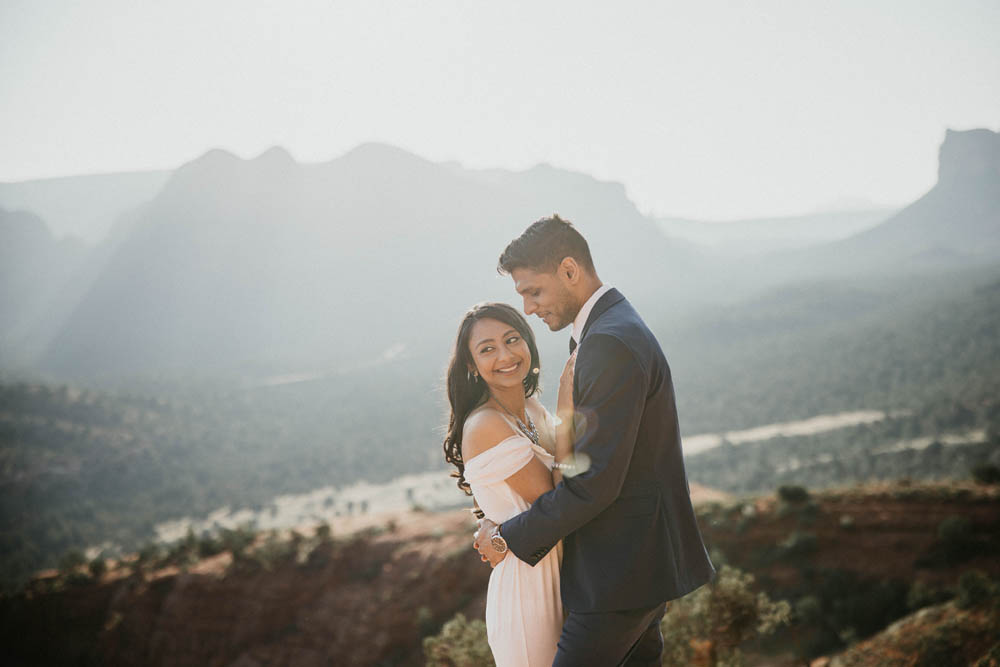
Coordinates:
484 545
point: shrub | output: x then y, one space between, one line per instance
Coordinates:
718 618
857 606
209 545
460 643
149 555
237 540
324 532
793 494
274 551
97 567
956 542
184 551
921 595
986 473
974 588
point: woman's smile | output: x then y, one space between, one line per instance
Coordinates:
506 370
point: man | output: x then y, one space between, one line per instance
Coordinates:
630 539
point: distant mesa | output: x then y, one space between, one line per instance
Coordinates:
970 157
962 211
956 223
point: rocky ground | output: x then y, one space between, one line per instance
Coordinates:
370 591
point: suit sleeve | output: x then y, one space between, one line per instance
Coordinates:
611 394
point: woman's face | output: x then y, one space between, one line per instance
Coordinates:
500 354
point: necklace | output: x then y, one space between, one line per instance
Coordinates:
529 429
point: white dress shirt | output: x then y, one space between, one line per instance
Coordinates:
581 317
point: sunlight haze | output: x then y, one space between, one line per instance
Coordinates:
708 110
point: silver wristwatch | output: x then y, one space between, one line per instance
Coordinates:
498 542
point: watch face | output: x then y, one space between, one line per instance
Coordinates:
499 543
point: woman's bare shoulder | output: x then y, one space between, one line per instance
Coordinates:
484 429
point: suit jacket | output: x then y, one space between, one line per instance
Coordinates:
629 533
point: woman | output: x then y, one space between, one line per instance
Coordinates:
505 445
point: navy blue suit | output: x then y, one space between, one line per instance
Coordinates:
630 538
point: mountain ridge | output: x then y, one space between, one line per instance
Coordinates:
232 257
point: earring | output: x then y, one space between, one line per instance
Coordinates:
535 370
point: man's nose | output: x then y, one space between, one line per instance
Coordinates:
529 306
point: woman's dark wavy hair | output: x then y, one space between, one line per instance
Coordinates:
465 391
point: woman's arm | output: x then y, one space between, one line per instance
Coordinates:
487 430
531 481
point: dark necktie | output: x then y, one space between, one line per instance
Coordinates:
572 344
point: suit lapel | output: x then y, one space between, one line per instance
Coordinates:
610 298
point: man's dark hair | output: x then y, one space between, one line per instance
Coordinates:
543 245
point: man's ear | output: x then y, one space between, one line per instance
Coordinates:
569 270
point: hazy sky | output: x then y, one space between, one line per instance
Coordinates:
704 109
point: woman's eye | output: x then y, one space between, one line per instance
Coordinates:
513 339
486 349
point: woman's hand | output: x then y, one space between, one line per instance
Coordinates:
564 403
564 416
484 545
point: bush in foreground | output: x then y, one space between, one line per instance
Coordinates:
461 643
717 618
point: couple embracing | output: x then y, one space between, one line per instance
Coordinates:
587 517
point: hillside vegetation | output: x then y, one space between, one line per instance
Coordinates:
84 466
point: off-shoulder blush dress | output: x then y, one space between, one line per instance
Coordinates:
524 615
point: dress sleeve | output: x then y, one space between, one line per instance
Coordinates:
498 463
